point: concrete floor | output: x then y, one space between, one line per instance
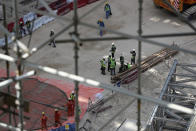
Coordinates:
124 19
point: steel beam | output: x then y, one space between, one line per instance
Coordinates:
184 64
184 81
181 85
172 114
184 75
172 120
189 69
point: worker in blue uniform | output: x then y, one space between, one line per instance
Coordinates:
101 25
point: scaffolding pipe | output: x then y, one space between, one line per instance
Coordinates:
18 85
76 48
139 65
10 127
109 87
113 31
17 78
7 62
63 41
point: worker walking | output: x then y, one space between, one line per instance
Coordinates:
52 42
101 25
44 119
133 55
103 66
113 49
113 66
107 10
57 116
121 69
109 62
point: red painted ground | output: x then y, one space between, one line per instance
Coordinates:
44 90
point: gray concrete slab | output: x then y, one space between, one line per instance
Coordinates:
124 19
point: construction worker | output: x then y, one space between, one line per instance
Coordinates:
52 41
101 25
44 119
28 25
113 66
57 116
121 69
133 55
129 66
70 107
107 10
103 66
72 96
113 49
22 30
109 62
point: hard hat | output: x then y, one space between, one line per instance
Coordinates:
112 43
43 113
72 92
69 98
133 49
106 2
52 30
56 109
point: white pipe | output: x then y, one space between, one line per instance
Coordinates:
10 127
17 78
110 87
7 58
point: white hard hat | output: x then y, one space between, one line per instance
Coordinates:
133 49
112 43
72 92
52 30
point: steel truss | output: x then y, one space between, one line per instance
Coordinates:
176 92
21 61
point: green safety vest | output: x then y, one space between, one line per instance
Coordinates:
103 63
107 8
112 65
128 66
72 97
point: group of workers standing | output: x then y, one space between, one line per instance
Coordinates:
112 62
22 27
57 115
108 13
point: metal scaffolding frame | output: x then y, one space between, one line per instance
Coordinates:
178 92
23 53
